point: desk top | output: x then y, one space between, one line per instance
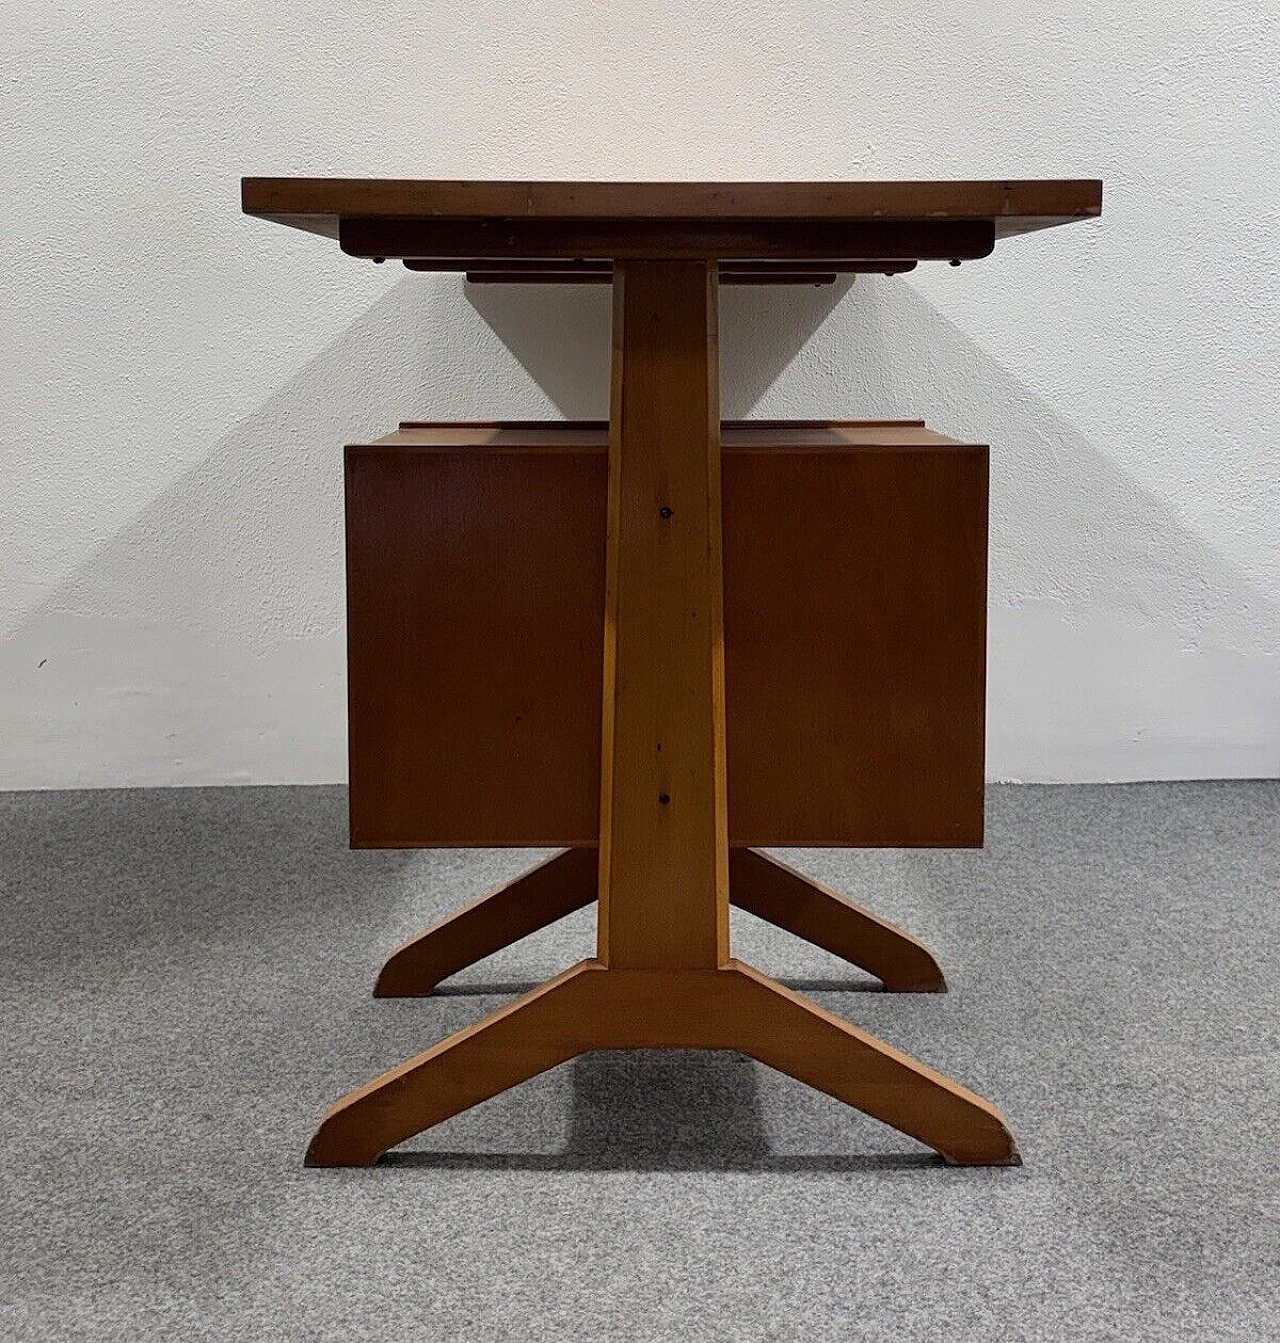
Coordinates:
318 203
549 436
846 225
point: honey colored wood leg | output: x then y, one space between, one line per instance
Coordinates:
787 1032
786 898
536 1032
541 896
759 884
593 1007
664 839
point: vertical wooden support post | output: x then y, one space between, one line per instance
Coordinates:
663 820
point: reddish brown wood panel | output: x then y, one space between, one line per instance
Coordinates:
855 641
318 203
475 607
854 630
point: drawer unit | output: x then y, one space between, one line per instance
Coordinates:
854 622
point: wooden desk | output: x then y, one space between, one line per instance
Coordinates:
790 619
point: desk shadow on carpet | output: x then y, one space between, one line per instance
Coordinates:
664 1110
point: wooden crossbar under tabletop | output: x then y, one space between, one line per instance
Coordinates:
661 867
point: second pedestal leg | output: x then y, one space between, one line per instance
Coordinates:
757 883
541 896
788 899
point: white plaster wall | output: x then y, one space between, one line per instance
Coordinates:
177 379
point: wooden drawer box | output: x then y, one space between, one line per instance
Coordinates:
855 628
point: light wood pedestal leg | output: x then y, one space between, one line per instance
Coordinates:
663 977
593 1006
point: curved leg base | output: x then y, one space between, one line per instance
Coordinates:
593 1007
525 1038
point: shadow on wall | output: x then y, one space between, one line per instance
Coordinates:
209 631
204 641
762 331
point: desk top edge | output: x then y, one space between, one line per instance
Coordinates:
317 203
575 436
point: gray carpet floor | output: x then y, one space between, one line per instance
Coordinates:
185 987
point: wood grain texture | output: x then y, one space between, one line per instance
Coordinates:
785 1031
849 589
855 619
534 1033
475 601
855 635
317 203
594 1007
663 817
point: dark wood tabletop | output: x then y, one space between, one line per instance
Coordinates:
317 203
849 225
